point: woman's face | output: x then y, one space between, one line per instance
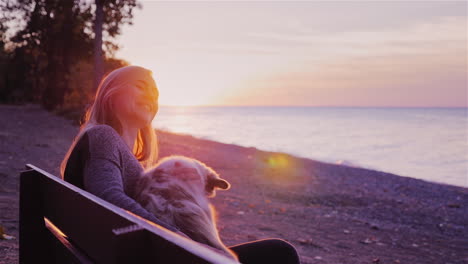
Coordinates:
137 104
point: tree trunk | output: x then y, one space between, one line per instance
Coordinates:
98 54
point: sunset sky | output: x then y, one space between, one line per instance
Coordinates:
346 53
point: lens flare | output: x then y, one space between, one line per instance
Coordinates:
278 161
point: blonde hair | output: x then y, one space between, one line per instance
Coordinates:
101 112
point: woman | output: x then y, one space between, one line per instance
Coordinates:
116 142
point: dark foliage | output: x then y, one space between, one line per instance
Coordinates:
47 57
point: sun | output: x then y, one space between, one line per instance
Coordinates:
175 100
176 92
195 84
183 98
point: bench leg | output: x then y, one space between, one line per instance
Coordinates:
33 239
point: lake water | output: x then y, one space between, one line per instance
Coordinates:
424 143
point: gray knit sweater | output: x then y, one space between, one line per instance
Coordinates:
102 164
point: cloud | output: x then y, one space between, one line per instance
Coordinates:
424 63
434 36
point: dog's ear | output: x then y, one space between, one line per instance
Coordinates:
220 183
215 183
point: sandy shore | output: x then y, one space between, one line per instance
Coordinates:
331 213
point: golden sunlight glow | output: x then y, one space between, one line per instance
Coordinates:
282 169
278 161
174 99
175 95
195 88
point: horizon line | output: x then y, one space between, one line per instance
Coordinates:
313 106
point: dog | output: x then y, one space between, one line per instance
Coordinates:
176 191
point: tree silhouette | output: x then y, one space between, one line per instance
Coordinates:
54 41
110 16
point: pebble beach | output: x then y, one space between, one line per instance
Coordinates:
330 213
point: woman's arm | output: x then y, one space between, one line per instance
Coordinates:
102 177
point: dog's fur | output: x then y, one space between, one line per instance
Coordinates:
176 191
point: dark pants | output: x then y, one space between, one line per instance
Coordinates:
266 251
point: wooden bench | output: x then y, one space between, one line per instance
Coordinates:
60 223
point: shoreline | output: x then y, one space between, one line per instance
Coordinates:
343 163
330 213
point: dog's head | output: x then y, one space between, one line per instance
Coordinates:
211 179
195 173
